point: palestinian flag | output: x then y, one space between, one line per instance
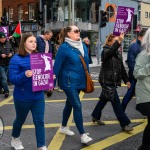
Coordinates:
17 32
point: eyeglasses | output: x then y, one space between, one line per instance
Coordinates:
76 31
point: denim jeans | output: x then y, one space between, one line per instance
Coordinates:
37 109
3 75
129 95
73 101
121 116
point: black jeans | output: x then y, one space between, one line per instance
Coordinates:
117 107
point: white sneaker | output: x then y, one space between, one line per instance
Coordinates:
16 144
85 139
43 148
66 130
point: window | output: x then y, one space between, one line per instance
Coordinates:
20 12
31 11
146 14
10 15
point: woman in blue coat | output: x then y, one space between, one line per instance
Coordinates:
25 99
69 69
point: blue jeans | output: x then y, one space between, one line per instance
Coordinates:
3 75
129 95
37 109
73 101
121 116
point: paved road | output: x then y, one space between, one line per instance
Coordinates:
108 137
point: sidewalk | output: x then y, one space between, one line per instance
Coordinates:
95 63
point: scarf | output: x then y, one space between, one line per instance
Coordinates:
76 44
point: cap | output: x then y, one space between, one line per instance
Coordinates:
2 35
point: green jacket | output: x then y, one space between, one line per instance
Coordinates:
142 74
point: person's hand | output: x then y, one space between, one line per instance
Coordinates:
54 77
128 85
28 73
121 37
4 55
9 55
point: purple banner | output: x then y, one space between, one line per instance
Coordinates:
42 68
5 30
123 20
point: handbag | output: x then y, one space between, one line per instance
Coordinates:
108 93
89 83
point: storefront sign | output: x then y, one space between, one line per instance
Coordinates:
123 20
42 68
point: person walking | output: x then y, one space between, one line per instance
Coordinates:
43 42
6 52
134 50
44 46
142 88
111 73
87 43
25 99
70 71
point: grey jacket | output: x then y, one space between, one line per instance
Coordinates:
142 74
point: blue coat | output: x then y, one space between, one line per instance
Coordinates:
68 67
41 45
134 50
23 85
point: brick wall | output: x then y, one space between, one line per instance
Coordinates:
0 8
14 4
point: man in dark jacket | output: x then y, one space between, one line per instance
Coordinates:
43 42
44 46
134 50
6 53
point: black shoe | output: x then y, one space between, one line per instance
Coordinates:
49 93
1 91
99 122
6 95
144 147
127 128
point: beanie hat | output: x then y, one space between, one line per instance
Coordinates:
2 35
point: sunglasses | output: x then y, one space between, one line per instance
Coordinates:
76 31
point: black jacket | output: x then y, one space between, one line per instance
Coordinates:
5 48
112 68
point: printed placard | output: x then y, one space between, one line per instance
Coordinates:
42 68
123 20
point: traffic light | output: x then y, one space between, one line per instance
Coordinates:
134 22
103 18
40 18
4 21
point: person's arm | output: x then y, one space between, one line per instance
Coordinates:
142 67
16 77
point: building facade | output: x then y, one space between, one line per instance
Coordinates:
83 13
25 11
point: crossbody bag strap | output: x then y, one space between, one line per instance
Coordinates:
83 62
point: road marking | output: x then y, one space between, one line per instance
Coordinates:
58 139
63 100
115 138
4 102
56 125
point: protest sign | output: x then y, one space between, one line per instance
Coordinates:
42 68
123 20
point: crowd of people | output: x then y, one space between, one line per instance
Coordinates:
70 74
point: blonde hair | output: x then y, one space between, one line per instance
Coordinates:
109 39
